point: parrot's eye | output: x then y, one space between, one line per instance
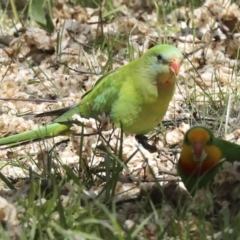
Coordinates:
159 57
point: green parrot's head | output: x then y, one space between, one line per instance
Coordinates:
162 64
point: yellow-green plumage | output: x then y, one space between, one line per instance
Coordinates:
135 96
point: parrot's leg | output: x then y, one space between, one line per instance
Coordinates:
143 140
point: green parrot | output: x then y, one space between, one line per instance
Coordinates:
201 157
135 97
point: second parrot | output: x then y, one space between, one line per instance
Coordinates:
201 157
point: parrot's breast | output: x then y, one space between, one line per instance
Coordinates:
150 114
197 168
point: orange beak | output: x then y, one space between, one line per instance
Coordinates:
175 66
198 149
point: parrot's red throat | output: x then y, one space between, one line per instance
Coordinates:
199 154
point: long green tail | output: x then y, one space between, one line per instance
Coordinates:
41 133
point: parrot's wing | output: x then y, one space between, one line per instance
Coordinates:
65 114
94 102
104 94
99 81
230 150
